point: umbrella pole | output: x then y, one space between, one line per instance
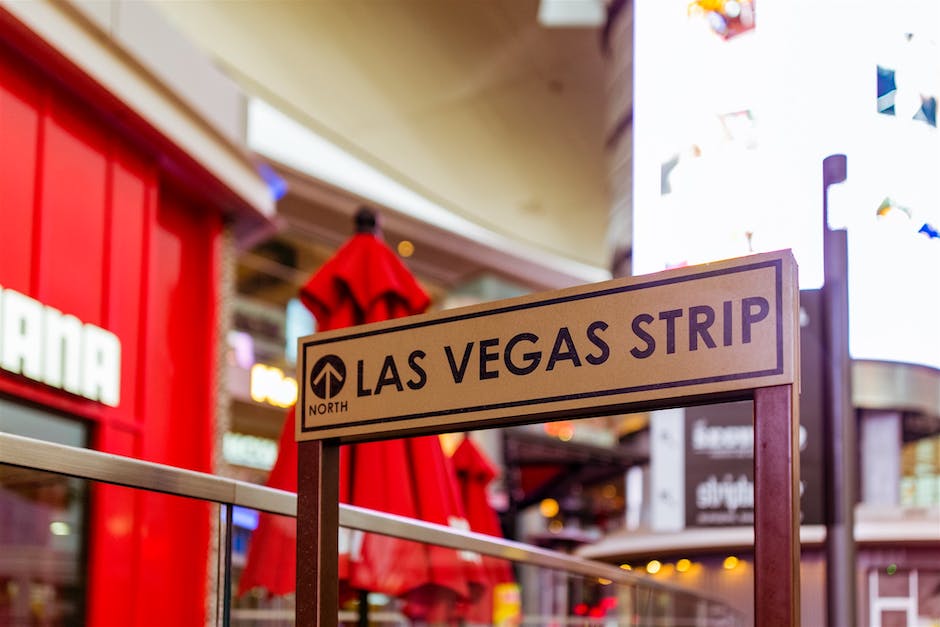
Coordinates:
363 608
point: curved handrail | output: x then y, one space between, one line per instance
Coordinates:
133 473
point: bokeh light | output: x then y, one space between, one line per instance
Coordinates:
548 508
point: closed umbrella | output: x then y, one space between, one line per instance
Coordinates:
271 563
366 282
474 474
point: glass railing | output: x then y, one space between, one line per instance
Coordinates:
80 544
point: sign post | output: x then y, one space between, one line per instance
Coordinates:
776 506
722 331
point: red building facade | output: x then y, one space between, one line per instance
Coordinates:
98 220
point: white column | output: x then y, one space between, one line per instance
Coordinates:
880 457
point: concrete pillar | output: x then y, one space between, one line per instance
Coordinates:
617 44
880 457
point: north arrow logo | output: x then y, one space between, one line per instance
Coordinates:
328 376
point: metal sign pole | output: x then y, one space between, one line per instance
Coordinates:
776 507
317 598
841 577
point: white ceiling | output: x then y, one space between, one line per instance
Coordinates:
471 103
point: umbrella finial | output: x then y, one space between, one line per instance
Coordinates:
366 221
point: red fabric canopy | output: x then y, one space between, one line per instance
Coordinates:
474 473
366 282
363 282
271 563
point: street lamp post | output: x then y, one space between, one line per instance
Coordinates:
840 424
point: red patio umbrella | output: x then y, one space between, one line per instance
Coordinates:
366 282
271 563
474 474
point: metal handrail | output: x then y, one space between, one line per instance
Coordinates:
134 473
114 469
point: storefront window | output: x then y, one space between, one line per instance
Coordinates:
42 528
920 473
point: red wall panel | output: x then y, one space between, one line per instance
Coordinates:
181 300
90 225
133 201
113 545
72 209
20 106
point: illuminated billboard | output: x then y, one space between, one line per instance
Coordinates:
736 104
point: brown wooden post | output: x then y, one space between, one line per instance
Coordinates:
776 507
317 599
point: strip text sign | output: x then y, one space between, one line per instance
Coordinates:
668 338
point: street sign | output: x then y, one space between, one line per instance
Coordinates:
676 335
725 330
